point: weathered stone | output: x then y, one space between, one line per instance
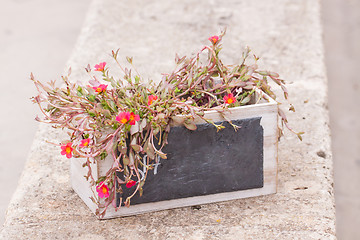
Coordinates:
286 34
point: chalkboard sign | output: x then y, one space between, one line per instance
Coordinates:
205 161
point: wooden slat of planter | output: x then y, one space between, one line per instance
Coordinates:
270 182
79 183
269 188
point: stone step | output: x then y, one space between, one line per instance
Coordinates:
286 34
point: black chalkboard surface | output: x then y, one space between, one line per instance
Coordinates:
205 161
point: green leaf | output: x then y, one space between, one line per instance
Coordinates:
161 154
299 135
137 79
245 100
248 87
274 74
149 149
122 149
263 73
106 113
246 77
189 124
143 124
179 120
161 116
189 81
103 155
91 113
292 108
243 70
215 74
132 158
200 113
156 130
91 98
160 109
137 148
134 129
126 161
129 59
79 91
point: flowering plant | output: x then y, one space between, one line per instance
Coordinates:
126 118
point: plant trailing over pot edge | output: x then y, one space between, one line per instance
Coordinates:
126 118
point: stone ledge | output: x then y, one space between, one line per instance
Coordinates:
286 34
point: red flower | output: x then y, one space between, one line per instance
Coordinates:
100 88
102 190
130 183
123 117
100 67
214 39
152 98
134 118
229 99
84 142
67 150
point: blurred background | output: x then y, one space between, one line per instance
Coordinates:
341 21
35 36
38 36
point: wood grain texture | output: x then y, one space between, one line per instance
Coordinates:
79 183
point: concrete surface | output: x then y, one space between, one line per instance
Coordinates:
289 40
34 37
342 37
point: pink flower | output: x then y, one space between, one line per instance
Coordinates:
152 98
100 88
214 39
130 183
123 117
100 67
84 142
134 118
229 99
102 190
67 150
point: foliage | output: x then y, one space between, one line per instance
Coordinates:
126 118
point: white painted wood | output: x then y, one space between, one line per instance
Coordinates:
191 201
79 183
267 110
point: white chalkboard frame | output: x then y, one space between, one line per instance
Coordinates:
267 110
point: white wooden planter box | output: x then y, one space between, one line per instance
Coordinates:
265 112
